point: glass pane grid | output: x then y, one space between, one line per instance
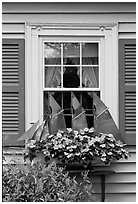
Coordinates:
83 56
83 105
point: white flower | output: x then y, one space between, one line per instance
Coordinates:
59 134
77 154
50 136
104 155
102 137
69 130
97 139
91 142
56 147
112 145
31 144
103 159
69 155
76 132
102 145
110 153
86 129
80 137
73 146
91 130
82 132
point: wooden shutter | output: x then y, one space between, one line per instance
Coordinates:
13 119
127 74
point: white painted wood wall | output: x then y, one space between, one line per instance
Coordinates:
120 187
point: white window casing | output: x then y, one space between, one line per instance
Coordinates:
36 34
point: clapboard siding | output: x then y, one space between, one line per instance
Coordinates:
71 18
13 27
121 197
59 7
120 188
121 178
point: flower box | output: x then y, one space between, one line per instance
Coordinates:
79 149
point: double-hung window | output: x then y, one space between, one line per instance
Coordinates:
68 62
70 75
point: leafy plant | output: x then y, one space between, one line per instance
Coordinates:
41 183
83 147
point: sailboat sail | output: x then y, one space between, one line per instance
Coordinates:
30 132
57 122
103 120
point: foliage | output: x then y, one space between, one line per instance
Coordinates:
41 183
73 146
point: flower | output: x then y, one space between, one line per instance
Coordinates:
69 130
86 129
91 130
110 153
97 139
31 144
103 159
103 145
78 146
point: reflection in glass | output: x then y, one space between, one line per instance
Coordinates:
71 53
90 77
67 102
90 53
87 103
52 53
52 77
71 77
68 120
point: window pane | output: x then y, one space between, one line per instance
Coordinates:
71 77
90 53
52 53
75 104
90 121
90 77
68 120
57 98
87 102
67 102
53 77
71 53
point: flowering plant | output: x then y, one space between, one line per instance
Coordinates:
83 147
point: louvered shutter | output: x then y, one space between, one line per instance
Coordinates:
127 74
13 119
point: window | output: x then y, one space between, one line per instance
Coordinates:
71 74
93 52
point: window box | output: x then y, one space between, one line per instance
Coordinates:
81 149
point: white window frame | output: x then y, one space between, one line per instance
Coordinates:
73 89
36 34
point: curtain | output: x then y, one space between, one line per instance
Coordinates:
89 77
53 74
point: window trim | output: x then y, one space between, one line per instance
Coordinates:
36 32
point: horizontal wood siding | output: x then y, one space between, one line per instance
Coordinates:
81 7
120 187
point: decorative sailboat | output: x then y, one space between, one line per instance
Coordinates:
103 121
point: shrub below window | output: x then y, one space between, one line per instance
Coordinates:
41 183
